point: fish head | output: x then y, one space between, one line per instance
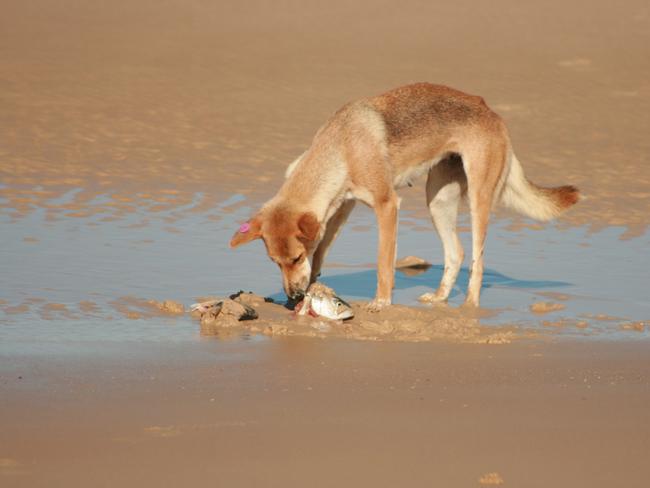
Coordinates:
332 307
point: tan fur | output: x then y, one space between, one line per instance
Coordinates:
370 147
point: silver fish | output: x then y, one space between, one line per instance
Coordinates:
321 301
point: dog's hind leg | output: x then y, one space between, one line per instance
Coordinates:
483 166
331 232
445 185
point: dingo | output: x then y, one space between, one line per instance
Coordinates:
373 146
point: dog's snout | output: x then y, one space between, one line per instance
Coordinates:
296 289
296 295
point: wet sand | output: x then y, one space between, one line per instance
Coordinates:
147 104
134 136
301 412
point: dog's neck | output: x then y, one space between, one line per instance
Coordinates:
322 194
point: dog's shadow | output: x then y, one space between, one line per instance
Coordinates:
362 283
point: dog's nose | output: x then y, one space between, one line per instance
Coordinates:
297 295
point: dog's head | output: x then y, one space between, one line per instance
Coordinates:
290 239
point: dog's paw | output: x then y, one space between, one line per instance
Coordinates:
471 303
377 304
432 298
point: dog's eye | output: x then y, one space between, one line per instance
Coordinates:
296 260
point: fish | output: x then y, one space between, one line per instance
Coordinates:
321 301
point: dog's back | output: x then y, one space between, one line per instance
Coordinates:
413 111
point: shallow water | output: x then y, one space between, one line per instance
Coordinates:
84 280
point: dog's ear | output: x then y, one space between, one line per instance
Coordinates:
248 231
309 226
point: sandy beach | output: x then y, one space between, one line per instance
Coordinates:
298 412
136 136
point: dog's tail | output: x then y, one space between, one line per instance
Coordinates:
534 201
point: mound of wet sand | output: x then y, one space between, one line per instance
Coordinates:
541 308
394 323
412 265
138 308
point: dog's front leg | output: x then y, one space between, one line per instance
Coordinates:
331 231
386 212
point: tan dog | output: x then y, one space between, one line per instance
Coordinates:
373 146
